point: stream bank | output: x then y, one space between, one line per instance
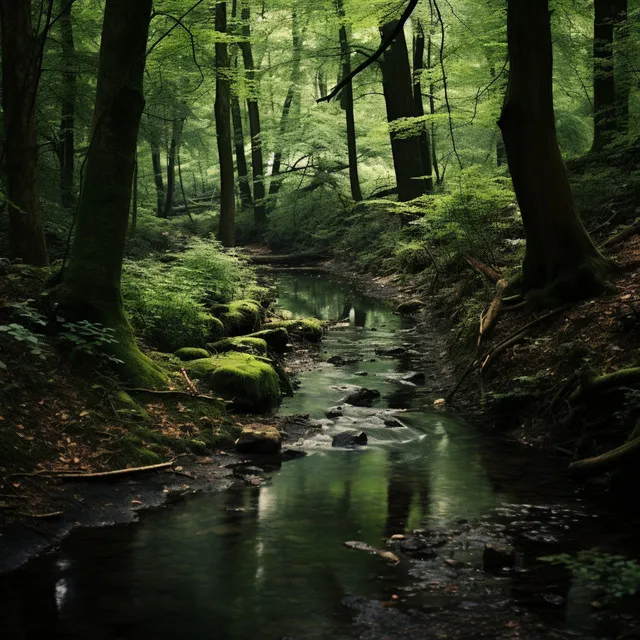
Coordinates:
268 555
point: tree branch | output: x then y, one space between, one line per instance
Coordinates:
385 44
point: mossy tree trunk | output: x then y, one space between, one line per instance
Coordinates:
604 93
346 102
227 228
399 100
253 107
21 58
157 177
425 138
623 71
559 251
90 286
68 115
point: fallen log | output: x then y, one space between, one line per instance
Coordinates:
622 235
488 320
293 259
628 452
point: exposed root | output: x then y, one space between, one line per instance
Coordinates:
628 452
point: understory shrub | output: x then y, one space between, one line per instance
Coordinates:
168 303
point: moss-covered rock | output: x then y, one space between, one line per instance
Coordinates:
216 329
126 406
251 383
242 344
239 317
276 339
258 438
410 306
191 353
309 329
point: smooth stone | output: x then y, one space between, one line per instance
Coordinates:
334 412
361 397
350 439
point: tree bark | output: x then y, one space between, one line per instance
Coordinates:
68 117
292 92
559 252
134 197
257 164
246 199
227 227
425 139
21 58
157 176
176 133
622 69
432 97
400 103
90 287
604 93
346 102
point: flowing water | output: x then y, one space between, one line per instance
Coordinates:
269 562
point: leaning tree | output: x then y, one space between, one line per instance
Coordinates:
560 256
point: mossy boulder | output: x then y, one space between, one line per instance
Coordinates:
239 317
125 405
309 329
410 306
260 439
191 353
276 339
216 329
243 344
250 382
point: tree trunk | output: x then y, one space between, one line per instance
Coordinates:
346 101
604 94
432 99
227 228
246 199
134 197
68 117
623 73
425 141
90 287
292 93
399 100
176 132
159 180
321 79
257 164
559 253
181 181
21 58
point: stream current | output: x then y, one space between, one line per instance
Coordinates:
269 562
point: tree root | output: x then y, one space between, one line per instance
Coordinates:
609 461
592 386
488 320
622 235
485 270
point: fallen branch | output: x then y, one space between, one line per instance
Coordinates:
110 474
488 320
516 337
593 386
485 270
607 461
192 387
41 516
179 394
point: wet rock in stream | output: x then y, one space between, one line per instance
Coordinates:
361 397
350 439
415 378
334 412
341 361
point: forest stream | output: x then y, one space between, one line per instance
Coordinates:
270 562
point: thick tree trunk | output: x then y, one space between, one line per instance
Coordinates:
257 164
623 73
399 100
176 133
425 139
346 102
90 287
432 99
604 93
227 228
134 197
292 93
159 180
21 57
321 81
559 253
68 117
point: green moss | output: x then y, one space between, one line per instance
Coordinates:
251 383
239 317
244 344
191 353
126 406
276 339
216 329
309 329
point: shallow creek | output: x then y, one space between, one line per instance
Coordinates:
269 562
